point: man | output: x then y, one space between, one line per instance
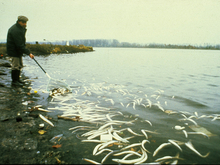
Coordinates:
16 48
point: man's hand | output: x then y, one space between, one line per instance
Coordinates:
31 55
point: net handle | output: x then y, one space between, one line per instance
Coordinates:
42 68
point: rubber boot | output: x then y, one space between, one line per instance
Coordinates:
15 78
19 80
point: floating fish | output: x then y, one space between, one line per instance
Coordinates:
190 146
160 147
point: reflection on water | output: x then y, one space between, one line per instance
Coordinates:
166 87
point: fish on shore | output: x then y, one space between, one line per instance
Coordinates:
46 120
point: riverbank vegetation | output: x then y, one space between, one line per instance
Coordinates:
75 46
46 49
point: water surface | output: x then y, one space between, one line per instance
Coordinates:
183 81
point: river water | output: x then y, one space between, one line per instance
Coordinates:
163 86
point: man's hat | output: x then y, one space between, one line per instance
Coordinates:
22 18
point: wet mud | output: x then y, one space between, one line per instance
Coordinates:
22 141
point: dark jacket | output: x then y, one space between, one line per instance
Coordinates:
16 41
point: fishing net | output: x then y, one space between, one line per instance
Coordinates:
57 84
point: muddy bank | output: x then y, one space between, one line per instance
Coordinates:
20 138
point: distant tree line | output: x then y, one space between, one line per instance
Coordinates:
116 43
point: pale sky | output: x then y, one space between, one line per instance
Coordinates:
134 21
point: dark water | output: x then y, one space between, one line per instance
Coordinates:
183 81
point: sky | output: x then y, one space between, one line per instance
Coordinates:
194 22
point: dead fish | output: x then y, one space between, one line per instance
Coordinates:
107 143
168 157
96 148
143 157
149 122
190 146
145 134
142 145
46 120
129 129
160 147
101 151
132 145
127 152
185 133
177 127
117 137
91 161
103 160
175 144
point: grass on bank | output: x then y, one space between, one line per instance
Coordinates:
46 49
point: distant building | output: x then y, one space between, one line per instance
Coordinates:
67 43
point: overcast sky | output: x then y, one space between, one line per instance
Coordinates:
138 21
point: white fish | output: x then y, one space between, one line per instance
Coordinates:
168 157
134 105
192 121
143 156
185 133
106 125
122 104
101 151
38 106
96 148
108 117
94 141
41 109
165 103
132 145
127 152
107 143
127 105
129 129
177 127
103 160
190 146
160 147
175 144
111 100
91 161
196 114
150 131
149 103
202 116
97 134
117 137
143 160
46 120
149 122
174 162
142 145
127 156
145 134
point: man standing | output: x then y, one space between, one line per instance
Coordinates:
16 48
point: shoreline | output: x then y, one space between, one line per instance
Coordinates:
21 141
